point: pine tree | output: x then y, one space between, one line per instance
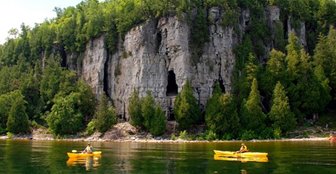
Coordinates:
275 69
325 55
148 110
213 110
186 109
17 118
221 114
105 115
252 115
293 56
281 114
134 109
158 122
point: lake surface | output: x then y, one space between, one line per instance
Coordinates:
27 156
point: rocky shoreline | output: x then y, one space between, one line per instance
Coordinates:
124 132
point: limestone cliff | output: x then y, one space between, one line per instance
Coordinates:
156 56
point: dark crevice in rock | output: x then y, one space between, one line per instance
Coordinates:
158 40
172 86
221 84
106 76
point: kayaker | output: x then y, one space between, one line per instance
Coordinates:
243 148
88 149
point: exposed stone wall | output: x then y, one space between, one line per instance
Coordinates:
150 50
93 64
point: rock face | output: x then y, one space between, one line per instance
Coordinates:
299 31
93 64
155 56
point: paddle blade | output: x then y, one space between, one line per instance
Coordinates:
74 151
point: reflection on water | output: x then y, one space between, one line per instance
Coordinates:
130 157
90 162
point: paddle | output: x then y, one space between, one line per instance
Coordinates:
74 151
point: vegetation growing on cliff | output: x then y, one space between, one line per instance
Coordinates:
33 73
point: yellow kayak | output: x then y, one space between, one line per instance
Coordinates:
236 155
242 159
81 155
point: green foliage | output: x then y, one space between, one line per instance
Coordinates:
307 94
248 135
279 41
275 71
158 122
5 105
50 82
210 135
91 127
105 116
64 118
186 110
148 110
183 135
10 135
145 113
277 133
281 115
199 35
325 56
17 117
134 109
221 114
173 137
253 117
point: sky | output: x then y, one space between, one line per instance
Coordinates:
15 12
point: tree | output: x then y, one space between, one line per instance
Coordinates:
64 118
253 117
186 109
17 117
148 110
293 56
325 56
105 115
221 114
158 122
50 82
281 114
5 105
275 71
134 109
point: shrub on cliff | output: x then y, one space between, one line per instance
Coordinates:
186 109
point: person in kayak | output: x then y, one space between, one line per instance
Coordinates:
243 148
88 149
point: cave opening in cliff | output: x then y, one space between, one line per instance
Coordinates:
221 85
172 86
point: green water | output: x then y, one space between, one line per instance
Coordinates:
50 157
